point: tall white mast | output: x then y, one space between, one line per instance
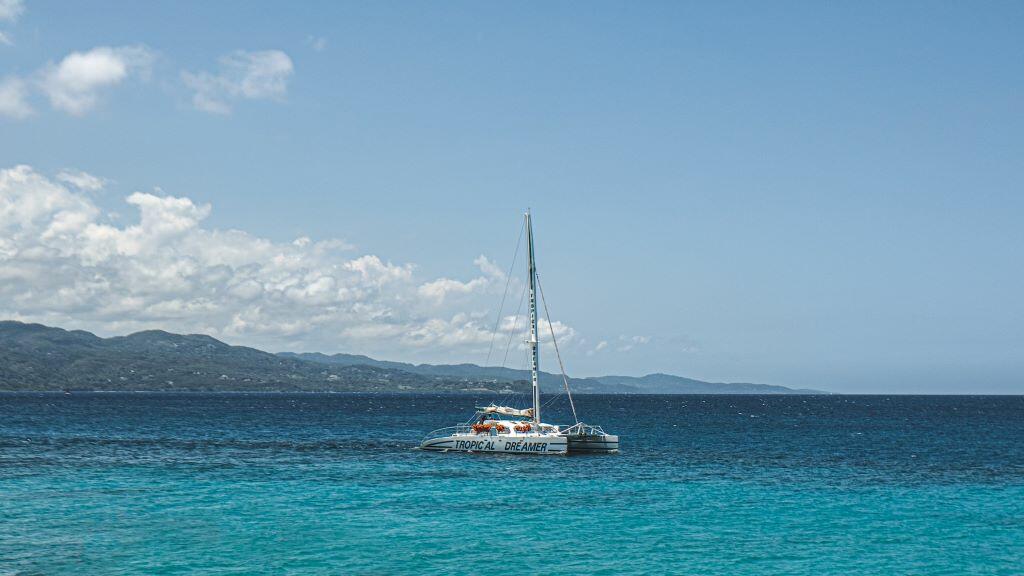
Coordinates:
534 352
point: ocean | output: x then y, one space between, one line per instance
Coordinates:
110 483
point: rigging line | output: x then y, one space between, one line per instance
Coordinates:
554 397
519 399
508 281
515 322
512 333
512 398
565 379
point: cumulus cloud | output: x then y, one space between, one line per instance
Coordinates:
602 345
14 98
75 84
627 343
11 10
513 326
66 262
438 290
81 180
249 75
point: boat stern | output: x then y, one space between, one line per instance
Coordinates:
593 443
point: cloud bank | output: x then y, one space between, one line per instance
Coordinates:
65 262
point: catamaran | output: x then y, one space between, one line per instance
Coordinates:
495 428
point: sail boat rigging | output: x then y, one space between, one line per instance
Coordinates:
521 431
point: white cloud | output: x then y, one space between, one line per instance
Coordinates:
14 98
627 343
11 10
565 334
490 269
518 325
317 43
474 333
248 75
81 180
438 290
66 262
74 85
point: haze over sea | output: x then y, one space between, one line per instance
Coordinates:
330 483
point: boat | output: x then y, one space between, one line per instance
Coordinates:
499 429
505 429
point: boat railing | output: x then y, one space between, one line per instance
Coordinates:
449 431
583 429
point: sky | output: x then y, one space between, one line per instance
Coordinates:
812 194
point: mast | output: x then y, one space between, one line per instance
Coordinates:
534 352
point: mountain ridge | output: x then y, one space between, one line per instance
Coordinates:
656 383
34 357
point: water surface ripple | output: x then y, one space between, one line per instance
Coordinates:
329 484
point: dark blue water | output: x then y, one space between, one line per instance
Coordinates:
327 484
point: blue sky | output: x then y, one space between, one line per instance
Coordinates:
820 195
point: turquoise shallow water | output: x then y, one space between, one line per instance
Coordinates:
245 484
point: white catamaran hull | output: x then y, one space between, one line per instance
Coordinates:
501 443
593 443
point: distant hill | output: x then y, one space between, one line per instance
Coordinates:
37 357
669 384
548 382
650 384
